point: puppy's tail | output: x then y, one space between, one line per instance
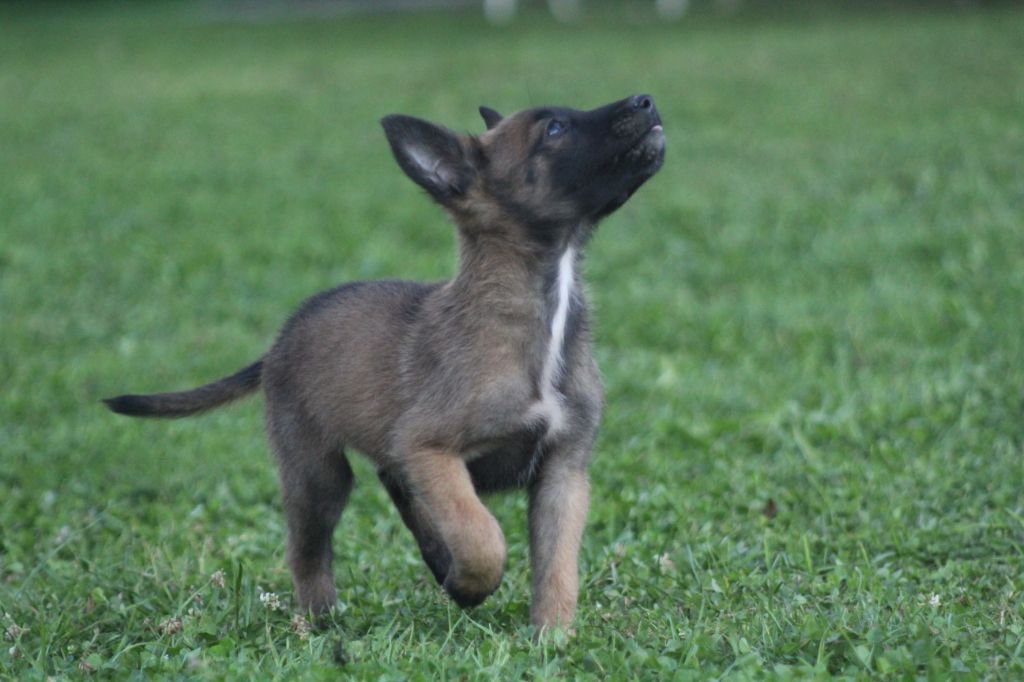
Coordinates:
185 403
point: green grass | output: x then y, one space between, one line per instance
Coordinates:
810 325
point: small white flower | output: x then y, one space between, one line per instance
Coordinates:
217 580
301 626
271 600
934 601
171 626
13 632
665 563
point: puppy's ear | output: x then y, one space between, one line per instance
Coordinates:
490 116
430 155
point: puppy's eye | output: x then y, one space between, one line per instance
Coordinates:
555 128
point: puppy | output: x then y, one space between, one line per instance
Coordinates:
478 384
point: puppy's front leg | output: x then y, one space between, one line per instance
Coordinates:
473 537
432 547
559 499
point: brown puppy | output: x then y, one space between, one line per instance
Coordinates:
464 387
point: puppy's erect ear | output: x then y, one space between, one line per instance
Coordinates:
490 116
430 155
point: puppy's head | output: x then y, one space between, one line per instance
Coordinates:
541 169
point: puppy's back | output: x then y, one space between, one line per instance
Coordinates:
337 360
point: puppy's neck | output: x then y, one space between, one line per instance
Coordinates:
508 268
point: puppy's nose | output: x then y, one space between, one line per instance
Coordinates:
642 102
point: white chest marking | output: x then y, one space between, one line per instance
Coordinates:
550 406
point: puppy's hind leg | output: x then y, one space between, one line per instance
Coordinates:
315 483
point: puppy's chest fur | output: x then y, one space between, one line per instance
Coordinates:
512 460
550 408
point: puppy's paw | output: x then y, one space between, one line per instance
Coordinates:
471 592
316 596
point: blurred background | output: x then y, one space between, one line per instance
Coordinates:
809 324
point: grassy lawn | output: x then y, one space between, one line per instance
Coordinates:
811 325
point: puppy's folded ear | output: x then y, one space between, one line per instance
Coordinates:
490 116
430 155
